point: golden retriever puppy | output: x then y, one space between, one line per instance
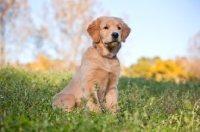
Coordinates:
96 79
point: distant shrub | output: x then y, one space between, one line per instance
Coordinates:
179 70
45 63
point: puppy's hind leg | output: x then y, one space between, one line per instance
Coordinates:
64 101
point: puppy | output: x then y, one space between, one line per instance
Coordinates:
96 79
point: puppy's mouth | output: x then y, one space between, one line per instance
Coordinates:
112 43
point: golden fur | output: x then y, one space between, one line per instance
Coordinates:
96 79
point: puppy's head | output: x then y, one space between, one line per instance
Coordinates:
108 30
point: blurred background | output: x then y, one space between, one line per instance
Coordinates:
51 35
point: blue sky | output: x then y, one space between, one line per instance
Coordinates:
159 27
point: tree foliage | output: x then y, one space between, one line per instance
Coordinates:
141 68
168 70
61 29
15 26
193 64
44 63
66 24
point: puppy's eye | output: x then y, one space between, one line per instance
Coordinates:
106 27
119 28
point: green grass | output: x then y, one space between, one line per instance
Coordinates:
145 105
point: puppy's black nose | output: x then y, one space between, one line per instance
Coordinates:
115 35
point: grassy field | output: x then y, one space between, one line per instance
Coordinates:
145 105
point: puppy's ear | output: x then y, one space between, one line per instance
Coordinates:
125 29
94 30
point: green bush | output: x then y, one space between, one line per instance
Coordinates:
145 105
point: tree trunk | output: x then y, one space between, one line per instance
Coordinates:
2 53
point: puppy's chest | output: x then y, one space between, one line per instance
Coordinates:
109 78
111 66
